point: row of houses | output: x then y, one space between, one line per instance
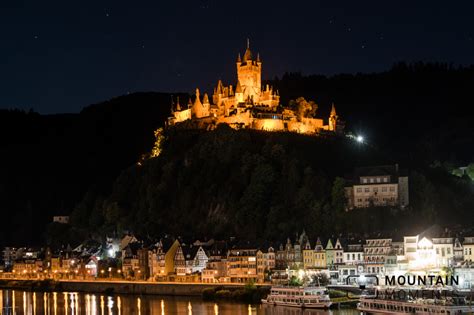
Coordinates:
171 259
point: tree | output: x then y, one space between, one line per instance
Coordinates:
304 108
338 201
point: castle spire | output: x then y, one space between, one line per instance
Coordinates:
219 87
239 59
198 100
248 53
205 99
238 88
258 57
333 110
178 107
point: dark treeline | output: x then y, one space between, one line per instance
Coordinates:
416 115
48 162
422 107
256 185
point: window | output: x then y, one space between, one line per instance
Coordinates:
378 179
359 190
364 180
392 188
376 189
371 180
367 190
384 189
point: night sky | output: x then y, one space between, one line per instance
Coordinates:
59 56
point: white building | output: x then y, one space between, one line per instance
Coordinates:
377 186
444 251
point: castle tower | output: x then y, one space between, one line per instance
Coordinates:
333 119
197 106
206 106
249 74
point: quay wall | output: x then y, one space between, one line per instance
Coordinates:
119 287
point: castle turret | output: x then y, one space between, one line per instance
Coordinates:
333 118
239 95
178 106
197 106
206 106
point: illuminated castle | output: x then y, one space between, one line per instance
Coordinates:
248 105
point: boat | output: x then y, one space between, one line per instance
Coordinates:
302 297
397 301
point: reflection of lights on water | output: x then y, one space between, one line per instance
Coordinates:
190 308
162 307
45 301
216 309
55 303
24 302
66 302
88 303
110 304
139 305
119 305
34 303
76 299
250 310
102 305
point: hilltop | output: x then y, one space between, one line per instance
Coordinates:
415 115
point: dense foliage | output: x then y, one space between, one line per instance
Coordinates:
260 185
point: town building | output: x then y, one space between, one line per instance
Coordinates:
376 186
320 259
375 254
242 264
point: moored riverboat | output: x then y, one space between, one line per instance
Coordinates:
302 297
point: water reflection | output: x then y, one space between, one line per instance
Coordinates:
14 302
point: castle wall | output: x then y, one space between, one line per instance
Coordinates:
268 124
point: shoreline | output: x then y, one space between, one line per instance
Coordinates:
121 287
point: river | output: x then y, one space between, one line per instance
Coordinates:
69 303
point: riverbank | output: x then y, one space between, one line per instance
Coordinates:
126 287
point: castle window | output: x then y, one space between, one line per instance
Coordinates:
378 179
359 190
367 190
384 189
392 188
371 180
385 180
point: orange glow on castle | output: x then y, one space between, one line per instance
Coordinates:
248 105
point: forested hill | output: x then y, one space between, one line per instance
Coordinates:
48 162
413 114
418 107
259 185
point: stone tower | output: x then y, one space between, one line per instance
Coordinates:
249 75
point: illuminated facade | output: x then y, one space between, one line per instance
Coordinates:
377 186
248 105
